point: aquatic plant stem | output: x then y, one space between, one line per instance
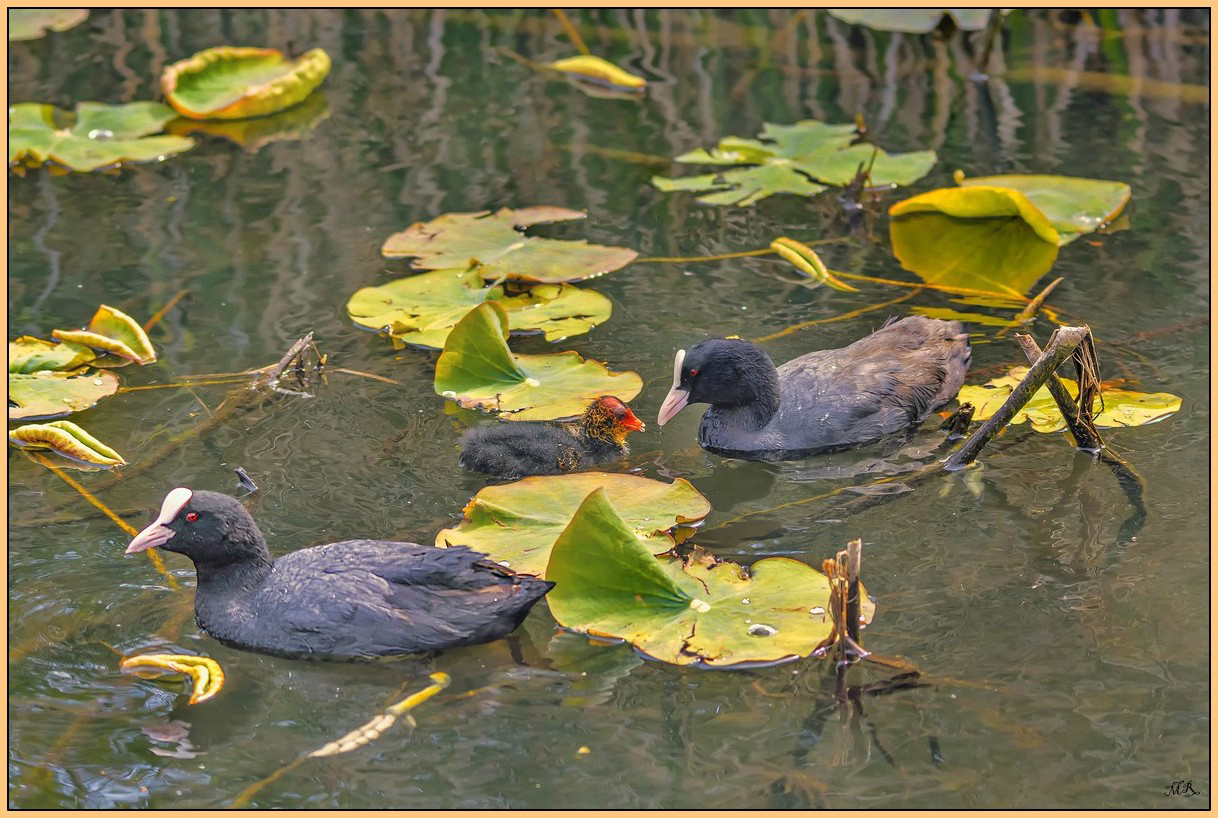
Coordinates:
843 317
159 314
129 530
1033 307
572 34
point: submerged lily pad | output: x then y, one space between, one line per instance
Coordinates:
30 24
97 136
1121 407
47 394
695 610
1004 256
913 21
253 134
67 439
113 331
517 523
801 159
478 371
588 67
28 354
494 241
233 82
423 309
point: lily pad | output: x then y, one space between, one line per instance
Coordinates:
1004 256
28 354
1121 407
423 309
478 371
1073 205
66 438
685 611
494 241
113 331
47 394
30 24
517 523
97 136
253 134
801 159
233 82
588 67
913 21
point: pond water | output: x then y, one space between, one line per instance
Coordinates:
1065 663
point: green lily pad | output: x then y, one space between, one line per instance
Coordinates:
1073 205
67 439
295 123
801 159
517 523
685 611
913 21
30 24
494 241
113 331
47 394
28 354
423 309
1004 256
232 82
1121 407
478 371
97 136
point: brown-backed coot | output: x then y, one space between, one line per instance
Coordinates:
520 449
821 401
356 599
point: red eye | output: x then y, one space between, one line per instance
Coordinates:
191 516
693 373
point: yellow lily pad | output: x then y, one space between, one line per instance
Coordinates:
28 354
494 241
517 523
806 260
115 332
589 67
1073 205
233 82
1121 407
423 309
47 394
206 675
478 371
979 202
66 438
253 134
30 24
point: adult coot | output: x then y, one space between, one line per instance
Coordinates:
356 599
519 449
822 401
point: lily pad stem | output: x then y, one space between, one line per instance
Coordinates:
569 27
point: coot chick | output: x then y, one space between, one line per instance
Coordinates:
822 401
356 599
520 449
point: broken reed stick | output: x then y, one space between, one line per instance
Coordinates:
1086 436
854 559
1062 344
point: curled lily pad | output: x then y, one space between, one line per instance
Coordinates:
494 241
592 68
478 371
913 21
517 523
115 332
1005 256
806 260
1120 407
97 136
28 354
253 134
801 159
423 309
1073 205
30 24
232 82
66 438
206 675
695 610
47 394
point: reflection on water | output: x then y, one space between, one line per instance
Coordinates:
1060 668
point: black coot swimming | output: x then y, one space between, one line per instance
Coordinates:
821 401
520 449
356 599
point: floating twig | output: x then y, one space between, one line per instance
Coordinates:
1033 307
159 314
1086 436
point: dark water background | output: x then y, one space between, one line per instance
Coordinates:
1069 669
